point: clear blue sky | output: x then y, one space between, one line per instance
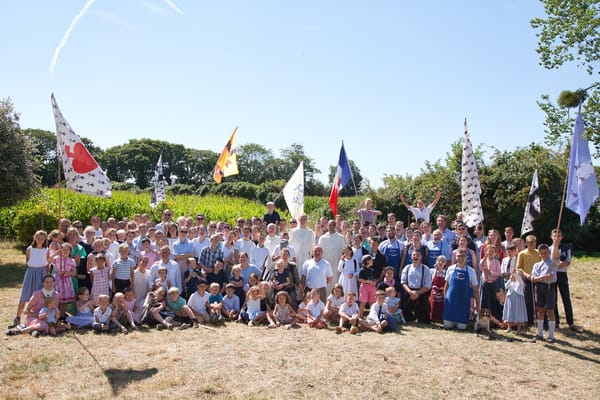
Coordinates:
393 79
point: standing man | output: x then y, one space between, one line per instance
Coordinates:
331 244
209 254
416 281
392 249
317 273
166 217
509 234
526 260
447 235
302 239
562 280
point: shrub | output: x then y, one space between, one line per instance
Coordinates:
30 219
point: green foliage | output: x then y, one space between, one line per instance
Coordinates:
569 99
29 220
570 33
16 177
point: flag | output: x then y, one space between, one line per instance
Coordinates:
582 186
293 192
227 162
158 194
82 172
343 175
533 207
472 213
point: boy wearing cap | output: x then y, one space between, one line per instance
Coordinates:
271 216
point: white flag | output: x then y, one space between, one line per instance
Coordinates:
533 206
293 192
472 213
82 172
158 194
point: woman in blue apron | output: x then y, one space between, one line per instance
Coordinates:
459 292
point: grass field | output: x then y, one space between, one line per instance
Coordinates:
238 362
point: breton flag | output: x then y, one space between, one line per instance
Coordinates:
227 162
82 172
533 207
158 194
293 192
343 175
472 213
582 186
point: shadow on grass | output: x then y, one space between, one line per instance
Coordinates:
119 378
11 275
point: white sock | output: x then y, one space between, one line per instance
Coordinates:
551 328
540 324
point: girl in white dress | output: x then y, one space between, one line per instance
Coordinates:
349 269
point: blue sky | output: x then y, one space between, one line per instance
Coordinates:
393 79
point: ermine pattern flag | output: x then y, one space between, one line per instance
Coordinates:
472 213
293 192
227 162
582 186
343 175
533 208
158 194
82 172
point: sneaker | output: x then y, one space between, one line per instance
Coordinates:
160 327
538 337
35 333
213 318
184 326
354 330
575 329
550 340
15 322
220 318
288 326
271 326
13 332
338 329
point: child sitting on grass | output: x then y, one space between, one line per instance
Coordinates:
349 314
302 312
102 315
393 305
177 305
253 313
231 303
215 299
121 315
283 313
378 314
315 310
334 301
84 317
198 302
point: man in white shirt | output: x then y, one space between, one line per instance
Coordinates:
317 273
173 271
332 244
302 239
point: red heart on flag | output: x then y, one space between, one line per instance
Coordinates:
83 162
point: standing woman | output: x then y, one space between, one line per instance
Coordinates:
37 263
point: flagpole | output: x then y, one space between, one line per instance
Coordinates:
562 200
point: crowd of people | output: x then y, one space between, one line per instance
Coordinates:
343 275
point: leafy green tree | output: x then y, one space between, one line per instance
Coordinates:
570 34
256 164
16 176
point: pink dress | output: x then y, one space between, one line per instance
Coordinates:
64 282
36 303
99 283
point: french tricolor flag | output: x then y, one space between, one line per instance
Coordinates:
343 175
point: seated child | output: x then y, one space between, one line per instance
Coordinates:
302 312
215 299
84 316
253 312
198 302
231 303
349 314
315 310
334 301
50 312
177 305
377 319
102 314
393 305
283 313
120 313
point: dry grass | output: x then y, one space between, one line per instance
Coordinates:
255 363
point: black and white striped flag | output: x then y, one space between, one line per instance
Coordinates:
533 207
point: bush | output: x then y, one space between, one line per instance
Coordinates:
29 220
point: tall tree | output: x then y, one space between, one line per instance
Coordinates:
16 177
570 34
256 164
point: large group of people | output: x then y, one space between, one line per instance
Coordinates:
345 275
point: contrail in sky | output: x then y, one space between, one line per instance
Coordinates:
173 6
67 34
